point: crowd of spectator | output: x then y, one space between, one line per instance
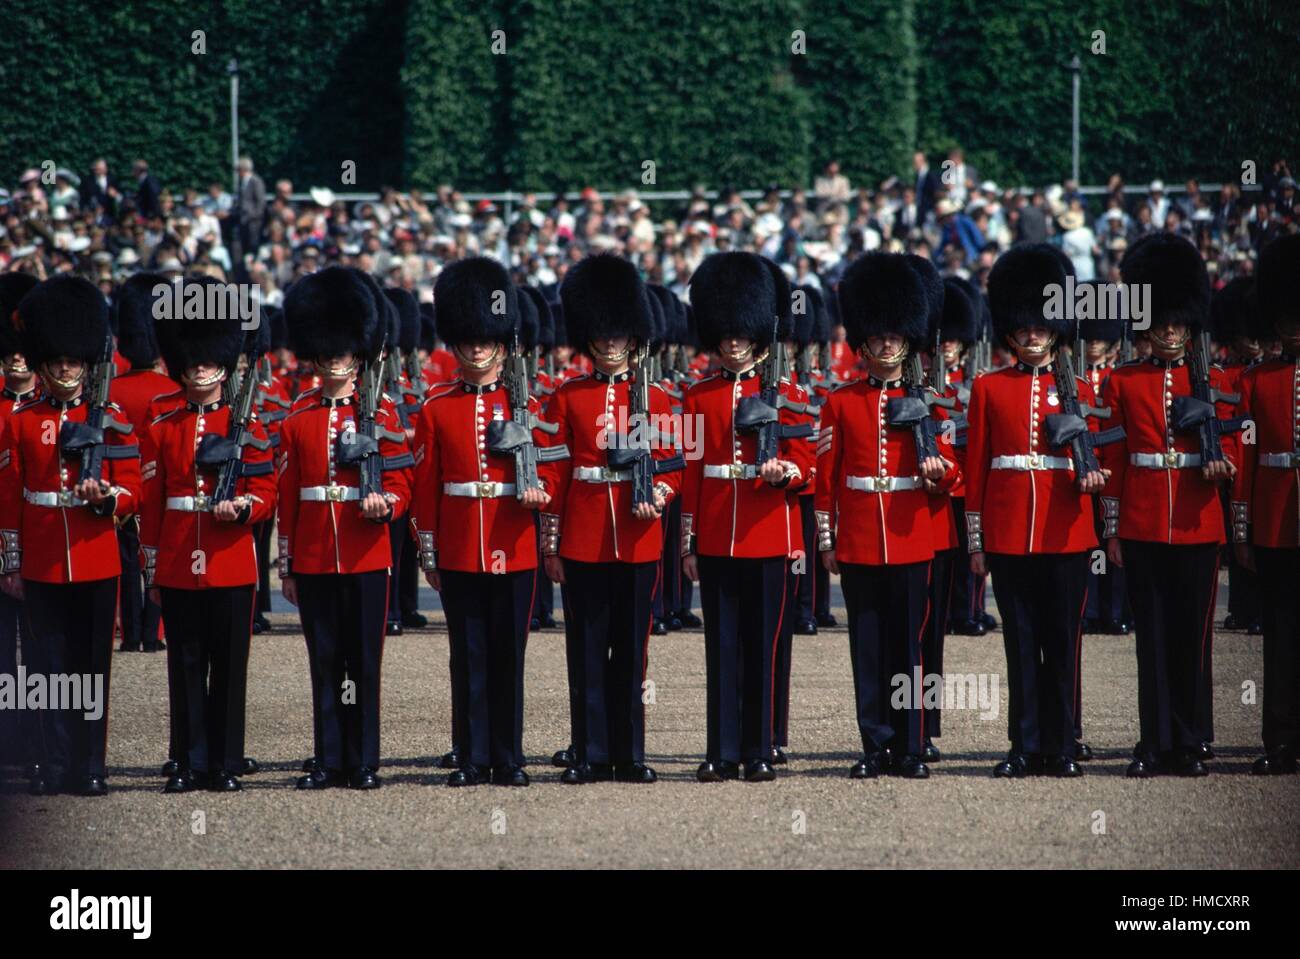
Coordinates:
107 227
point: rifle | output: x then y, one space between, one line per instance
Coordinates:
514 437
939 384
1070 426
361 449
225 453
633 452
400 391
762 413
913 408
1198 410
88 439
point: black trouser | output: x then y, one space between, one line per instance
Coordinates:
343 617
18 728
804 606
71 630
210 631
967 601
671 580
946 569
1107 597
397 535
888 609
262 537
139 615
607 626
1041 599
785 652
487 620
743 602
1279 581
1172 589
544 600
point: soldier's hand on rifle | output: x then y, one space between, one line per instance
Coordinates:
554 567
12 585
933 468
535 498
1094 482
691 567
92 491
1114 553
647 511
978 565
1219 471
830 562
434 579
227 511
773 471
1245 556
289 588
375 507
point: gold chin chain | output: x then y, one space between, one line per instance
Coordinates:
1170 344
892 359
212 380
67 384
481 365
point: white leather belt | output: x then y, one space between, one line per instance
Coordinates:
882 484
1285 461
1031 461
731 471
61 498
328 494
484 490
190 504
1165 461
602 474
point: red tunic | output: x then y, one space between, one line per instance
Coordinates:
738 517
1266 490
61 543
331 535
857 446
595 518
135 391
191 549
1011 509
470 534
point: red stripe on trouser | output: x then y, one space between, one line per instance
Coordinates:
920 646
1078 655
776 638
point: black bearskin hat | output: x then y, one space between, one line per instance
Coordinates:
186 342
408 318
603 295
1110 328
934 294
428 328
1018 294
1278 289
335 311
1233 311
133 308
960 320
476 302
13 287
64 316
883 293
1179 283
736 294
807 318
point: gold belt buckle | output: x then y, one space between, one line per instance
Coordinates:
1035 461
884 484
485 489
65 497
1171 460
737 470
201 502
334 493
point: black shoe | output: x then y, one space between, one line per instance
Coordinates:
660 628
988 621
634 773
868 767
321 779
548 622
509 776
1232 622
689 619
224 782
311 765
674 622
1204 752
534 624
1188 762
779 758
394 628
469 775
1282 762
250 767
153 646
91 786
577 774
261 624
805 627
931 752
827 621
171 767
1145 765
911 767
1255 629
449 760
717 772
968 627
364 778
181 782
129 648
42 785
564 758
1082 752
1092 626
1015 766
1063 767
414 621
759 771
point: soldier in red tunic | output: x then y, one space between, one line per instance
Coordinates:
605 549
334 547
1029 514
1266 500
134 390
1164 524
200 555
874 521
737 532
473 523
61 550
17 727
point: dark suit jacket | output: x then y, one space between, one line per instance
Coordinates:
926 186
252 200
92 195
147 192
